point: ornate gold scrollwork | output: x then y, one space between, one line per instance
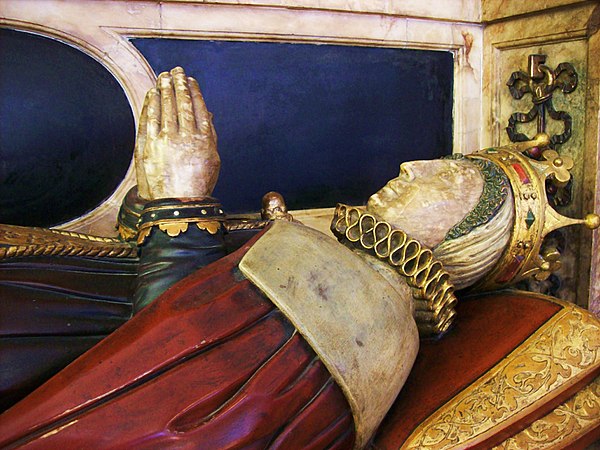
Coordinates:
563 426
563 351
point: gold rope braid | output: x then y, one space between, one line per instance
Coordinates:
86 237
246 224
16 241
431 287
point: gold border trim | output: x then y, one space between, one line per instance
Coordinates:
558 355
174 228
564 426
17 241
182 206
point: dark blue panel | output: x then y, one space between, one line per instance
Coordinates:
66 131
318 123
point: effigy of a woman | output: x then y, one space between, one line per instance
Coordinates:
293 340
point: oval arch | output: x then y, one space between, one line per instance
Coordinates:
131 75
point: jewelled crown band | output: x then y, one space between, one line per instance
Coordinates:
534 218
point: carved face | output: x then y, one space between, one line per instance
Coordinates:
429 197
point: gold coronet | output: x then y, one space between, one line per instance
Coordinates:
534 217
592 221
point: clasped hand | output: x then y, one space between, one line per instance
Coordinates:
176 147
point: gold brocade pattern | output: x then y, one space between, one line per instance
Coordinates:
563 426
16 241
561 352
431 287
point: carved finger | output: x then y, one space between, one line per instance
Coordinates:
144 159
167 103
140 143
203 117
185 111
153 113
140 140
212 129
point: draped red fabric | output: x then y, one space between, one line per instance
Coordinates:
488 328
53 309
211 364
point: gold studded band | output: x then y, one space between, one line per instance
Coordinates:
173 217
431 287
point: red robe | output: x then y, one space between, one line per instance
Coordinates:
210 364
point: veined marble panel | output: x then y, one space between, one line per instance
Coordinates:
567 34
499 9
460 10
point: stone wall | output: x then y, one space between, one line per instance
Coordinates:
565 31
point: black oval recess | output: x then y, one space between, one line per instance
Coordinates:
66 131
319 123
